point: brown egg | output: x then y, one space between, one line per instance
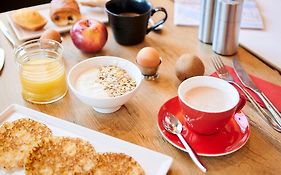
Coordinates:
148 57
51 34
189 65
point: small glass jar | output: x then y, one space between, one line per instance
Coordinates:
41 70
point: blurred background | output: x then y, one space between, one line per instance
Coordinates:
6 5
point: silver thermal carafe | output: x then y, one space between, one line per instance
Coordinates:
207 14
227 26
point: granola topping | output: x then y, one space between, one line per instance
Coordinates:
115 80
108 80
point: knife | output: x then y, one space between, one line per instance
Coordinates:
7 34
2 58
247 82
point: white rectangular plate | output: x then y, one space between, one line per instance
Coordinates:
86 12
152 162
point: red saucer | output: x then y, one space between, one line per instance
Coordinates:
228 140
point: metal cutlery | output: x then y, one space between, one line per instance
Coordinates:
2 58
225 75
7 34
248 83
10 38
174 126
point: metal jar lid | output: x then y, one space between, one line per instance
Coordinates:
229 10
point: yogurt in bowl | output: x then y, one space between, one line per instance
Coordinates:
105 82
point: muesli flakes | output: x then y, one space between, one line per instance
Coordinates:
115 80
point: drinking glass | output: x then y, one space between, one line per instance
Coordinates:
41 71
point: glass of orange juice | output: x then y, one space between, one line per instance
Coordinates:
42 71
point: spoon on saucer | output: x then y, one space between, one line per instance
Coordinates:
174 126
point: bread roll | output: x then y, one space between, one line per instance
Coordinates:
64 12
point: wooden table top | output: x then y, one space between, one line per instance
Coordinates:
136 121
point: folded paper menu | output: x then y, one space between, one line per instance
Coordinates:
187 12
272 91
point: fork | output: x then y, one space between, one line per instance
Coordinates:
225 75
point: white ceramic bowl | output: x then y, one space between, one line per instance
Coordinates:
104 104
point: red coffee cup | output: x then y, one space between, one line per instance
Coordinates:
208 103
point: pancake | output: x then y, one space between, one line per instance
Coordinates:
117 164
17 139
61 155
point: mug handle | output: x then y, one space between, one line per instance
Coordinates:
153 11
241 103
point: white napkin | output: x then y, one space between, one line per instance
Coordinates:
187 12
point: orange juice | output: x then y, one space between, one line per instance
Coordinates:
43 80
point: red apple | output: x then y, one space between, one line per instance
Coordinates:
89 35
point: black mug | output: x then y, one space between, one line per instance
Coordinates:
129 19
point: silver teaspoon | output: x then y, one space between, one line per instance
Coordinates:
174 126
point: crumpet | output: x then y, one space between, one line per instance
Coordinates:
117 164
61 155
29 19
17 139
